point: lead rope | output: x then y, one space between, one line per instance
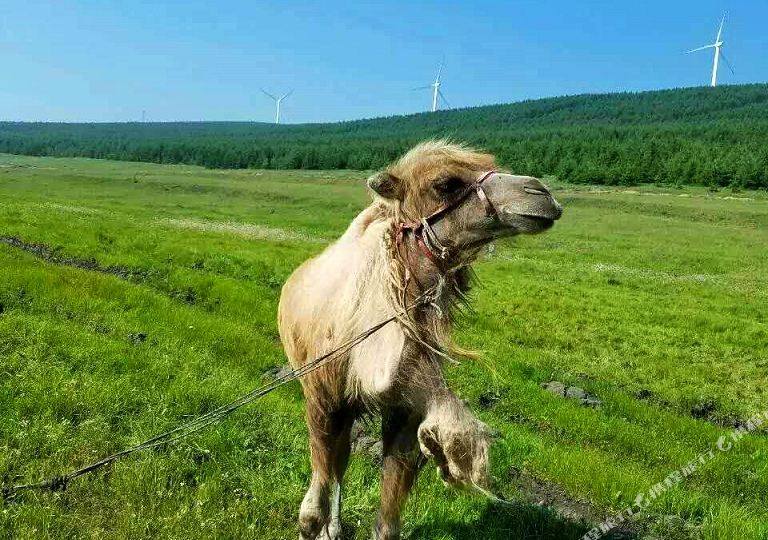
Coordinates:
495 499
429 237
60 482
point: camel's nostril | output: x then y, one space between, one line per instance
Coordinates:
535 191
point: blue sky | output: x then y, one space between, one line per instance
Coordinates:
190 60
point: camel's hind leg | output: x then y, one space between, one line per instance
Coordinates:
399 469
319 516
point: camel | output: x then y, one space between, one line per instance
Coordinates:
381 265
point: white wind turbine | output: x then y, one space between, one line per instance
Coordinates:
718 46
278 100
436 92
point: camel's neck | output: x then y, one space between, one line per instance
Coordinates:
445 284
411 272
427 271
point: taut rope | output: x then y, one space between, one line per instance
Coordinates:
60 482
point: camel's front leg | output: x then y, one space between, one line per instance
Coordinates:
400 465
342 449
319 516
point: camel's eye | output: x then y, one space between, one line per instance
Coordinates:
449 186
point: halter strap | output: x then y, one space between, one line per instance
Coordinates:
490 210
426 238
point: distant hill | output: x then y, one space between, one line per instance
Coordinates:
709 136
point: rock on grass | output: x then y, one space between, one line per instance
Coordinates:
278 372
137 338
572 392
363 443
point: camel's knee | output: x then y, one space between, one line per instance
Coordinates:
458 442
320 513
314 514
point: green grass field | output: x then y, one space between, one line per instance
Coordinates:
654 301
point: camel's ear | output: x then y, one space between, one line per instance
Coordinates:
386 185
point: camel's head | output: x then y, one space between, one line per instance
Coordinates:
437 173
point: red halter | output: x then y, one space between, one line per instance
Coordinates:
425 236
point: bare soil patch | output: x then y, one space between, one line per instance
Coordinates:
52 255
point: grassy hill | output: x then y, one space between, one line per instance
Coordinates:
134 296
704 136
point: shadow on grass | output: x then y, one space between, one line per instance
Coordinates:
519 521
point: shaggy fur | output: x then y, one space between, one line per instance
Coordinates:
370 273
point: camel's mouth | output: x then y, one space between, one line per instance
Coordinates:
531 223
512 225
540 222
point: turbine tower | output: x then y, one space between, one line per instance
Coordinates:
437 94
718 46
278 100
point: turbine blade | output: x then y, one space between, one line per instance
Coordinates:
440 93
727 63
700 48
268 94
422 87
439 71
286 95
720 31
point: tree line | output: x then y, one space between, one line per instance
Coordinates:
705 136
